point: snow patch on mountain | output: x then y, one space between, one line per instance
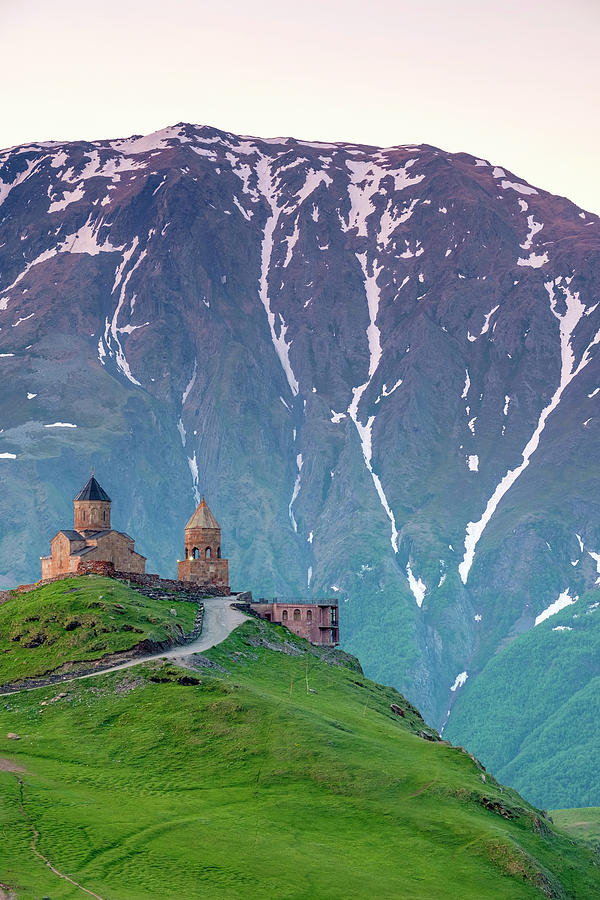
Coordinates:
112 330
7 186
313 179
193 464
518 187
459 681
534 228
534 260
486 323
84 240
596 558
563 600
465 392
68 197
267 186
375 352
417 586
190 384
296 491
291 241
568 321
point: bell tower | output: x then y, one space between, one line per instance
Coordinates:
92 508
203 562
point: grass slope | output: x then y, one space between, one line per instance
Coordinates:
267 772
582 823
533 714
80 619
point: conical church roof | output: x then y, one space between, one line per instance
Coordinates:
92 491
203 518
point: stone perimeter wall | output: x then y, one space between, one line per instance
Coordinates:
100 567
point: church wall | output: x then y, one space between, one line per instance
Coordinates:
61 552
204 571
116 549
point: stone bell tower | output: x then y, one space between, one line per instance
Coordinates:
92 508
202 561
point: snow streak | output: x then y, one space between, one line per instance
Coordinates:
365 431
296 491
112 329
563 600
266 183
568 321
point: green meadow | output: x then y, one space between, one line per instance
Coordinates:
78 620
583 823
265 769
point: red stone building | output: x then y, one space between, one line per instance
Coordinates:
316 621
202 562
92 538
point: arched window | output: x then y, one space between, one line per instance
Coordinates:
83 516
207 553
284 616
296 615
195 553
218 553
104 515
309 615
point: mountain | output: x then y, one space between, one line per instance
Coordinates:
379 365
265 767
532 711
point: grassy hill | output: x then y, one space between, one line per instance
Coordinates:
533 714
81 619
582 823
269 769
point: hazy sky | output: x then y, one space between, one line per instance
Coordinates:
514 81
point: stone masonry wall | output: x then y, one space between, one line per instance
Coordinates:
102 567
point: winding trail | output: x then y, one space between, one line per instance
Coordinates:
220 618
34 843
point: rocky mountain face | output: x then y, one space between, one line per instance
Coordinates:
379 366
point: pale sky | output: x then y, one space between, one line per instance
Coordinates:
513 81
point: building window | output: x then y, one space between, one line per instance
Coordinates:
218 553
296 615
284 616
104 515
195 553
309 615
207 553
83 516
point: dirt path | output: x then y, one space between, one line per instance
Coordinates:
219 621
220 618
7 765
34 842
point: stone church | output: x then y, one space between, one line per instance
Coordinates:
92 539
202 562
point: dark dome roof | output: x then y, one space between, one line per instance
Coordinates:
92 491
